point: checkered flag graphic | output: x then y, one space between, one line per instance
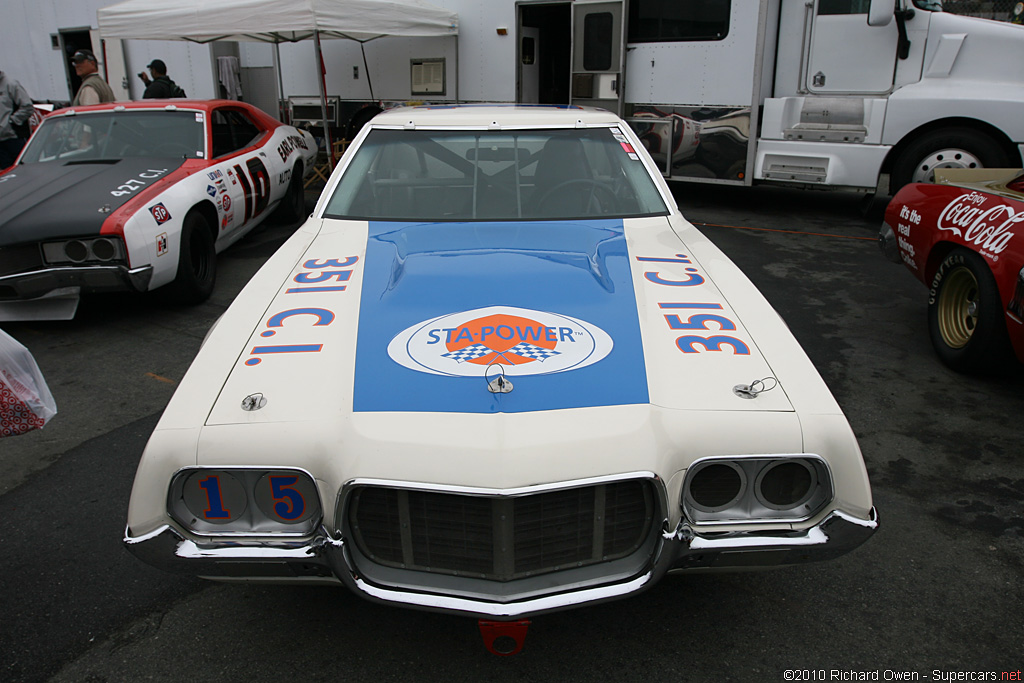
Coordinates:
527 350
469 353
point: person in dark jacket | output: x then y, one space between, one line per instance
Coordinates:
161 86
15 110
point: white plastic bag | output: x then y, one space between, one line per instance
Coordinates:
25 400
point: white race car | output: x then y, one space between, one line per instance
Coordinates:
498 374
139 195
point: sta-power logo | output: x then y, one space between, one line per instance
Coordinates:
522 341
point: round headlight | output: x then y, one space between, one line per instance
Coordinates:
785 484
287 497
716 486
214 496
76 251
103 250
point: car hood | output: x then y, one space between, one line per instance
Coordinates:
991 181
49 200
423 318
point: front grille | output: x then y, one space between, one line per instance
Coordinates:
501 538
20 259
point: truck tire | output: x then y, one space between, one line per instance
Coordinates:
197 263
965 315
945 148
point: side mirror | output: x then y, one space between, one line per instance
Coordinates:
880 12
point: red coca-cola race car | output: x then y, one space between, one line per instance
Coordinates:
963 237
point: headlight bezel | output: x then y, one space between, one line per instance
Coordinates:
56 252
184 501
750 505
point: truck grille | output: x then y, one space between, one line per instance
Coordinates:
501 538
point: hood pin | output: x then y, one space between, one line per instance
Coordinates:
755 388
253 402
498 385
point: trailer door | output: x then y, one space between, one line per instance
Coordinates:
845 54
112 66
598 57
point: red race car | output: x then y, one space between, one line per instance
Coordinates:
963 237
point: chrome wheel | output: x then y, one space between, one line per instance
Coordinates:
958 308
944 158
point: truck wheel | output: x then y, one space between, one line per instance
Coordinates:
197 263
293 206
945 148
965 315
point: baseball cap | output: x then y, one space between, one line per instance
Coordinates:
157 64
83 55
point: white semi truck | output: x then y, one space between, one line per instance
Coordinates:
821 93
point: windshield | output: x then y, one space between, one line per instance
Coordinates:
929 5
118 134
495 175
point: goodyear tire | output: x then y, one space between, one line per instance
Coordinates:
945 148
197 263
293 206
965 315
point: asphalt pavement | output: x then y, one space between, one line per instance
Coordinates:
937 592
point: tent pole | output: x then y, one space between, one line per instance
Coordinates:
366 68
280 80
323 96
457 69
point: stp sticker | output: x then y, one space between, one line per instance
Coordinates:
522 341
160 213
225 202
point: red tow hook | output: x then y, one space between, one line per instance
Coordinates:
503 638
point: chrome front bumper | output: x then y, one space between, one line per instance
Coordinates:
37 283
683 549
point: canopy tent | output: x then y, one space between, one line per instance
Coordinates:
274 21
278 21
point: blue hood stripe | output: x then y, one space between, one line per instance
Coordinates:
415 272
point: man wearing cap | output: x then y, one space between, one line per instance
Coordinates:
161 86
94 89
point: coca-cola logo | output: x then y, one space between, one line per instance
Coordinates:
988 228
